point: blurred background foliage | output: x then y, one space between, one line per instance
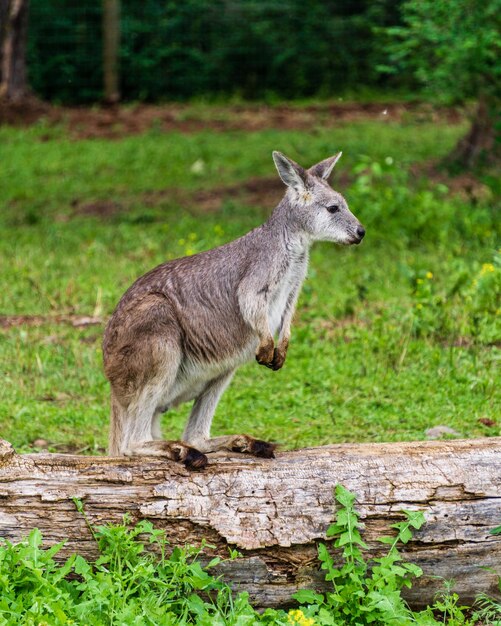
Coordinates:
180 49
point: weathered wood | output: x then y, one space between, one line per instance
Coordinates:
276 511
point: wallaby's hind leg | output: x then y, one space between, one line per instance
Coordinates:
197 431
141 376
135 433
156 427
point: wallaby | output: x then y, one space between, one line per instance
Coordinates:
181 330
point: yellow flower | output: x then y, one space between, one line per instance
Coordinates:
487 268
429 275
419 305
298 618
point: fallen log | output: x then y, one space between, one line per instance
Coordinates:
276 511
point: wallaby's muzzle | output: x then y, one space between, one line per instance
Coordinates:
360 233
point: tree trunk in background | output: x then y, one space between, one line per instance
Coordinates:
4 10
14 32
276 511
111 43
482 144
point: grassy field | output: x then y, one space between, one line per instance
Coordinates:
391 338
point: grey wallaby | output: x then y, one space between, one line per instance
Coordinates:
181 330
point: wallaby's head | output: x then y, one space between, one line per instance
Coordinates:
314 206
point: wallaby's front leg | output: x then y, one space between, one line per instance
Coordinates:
280 351
265 352
285 332
253 302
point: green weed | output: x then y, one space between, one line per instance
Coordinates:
126 585
360 597
487 609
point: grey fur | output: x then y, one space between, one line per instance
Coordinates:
181 330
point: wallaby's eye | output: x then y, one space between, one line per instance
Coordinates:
333 208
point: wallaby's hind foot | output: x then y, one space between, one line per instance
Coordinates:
256 447
194 460
238 443
177 451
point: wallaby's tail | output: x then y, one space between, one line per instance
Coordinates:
117 423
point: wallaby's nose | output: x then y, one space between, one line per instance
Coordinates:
360 232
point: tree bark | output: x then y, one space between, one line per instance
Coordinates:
276 511
482 144
111 43
14 85
4 12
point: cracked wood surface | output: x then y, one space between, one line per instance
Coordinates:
276 511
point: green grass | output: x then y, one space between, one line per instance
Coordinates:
373 357
43 169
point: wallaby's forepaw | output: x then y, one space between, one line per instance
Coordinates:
276 362
271 357
266 353
256 447
278 359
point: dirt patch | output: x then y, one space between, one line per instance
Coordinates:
261 192
116 122
264 192
97 208
77 321
23 113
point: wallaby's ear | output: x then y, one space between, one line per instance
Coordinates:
325 167
292 174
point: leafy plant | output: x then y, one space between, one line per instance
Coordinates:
33 587
365 591
126 585
488 610
452 48
467 304
405 210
